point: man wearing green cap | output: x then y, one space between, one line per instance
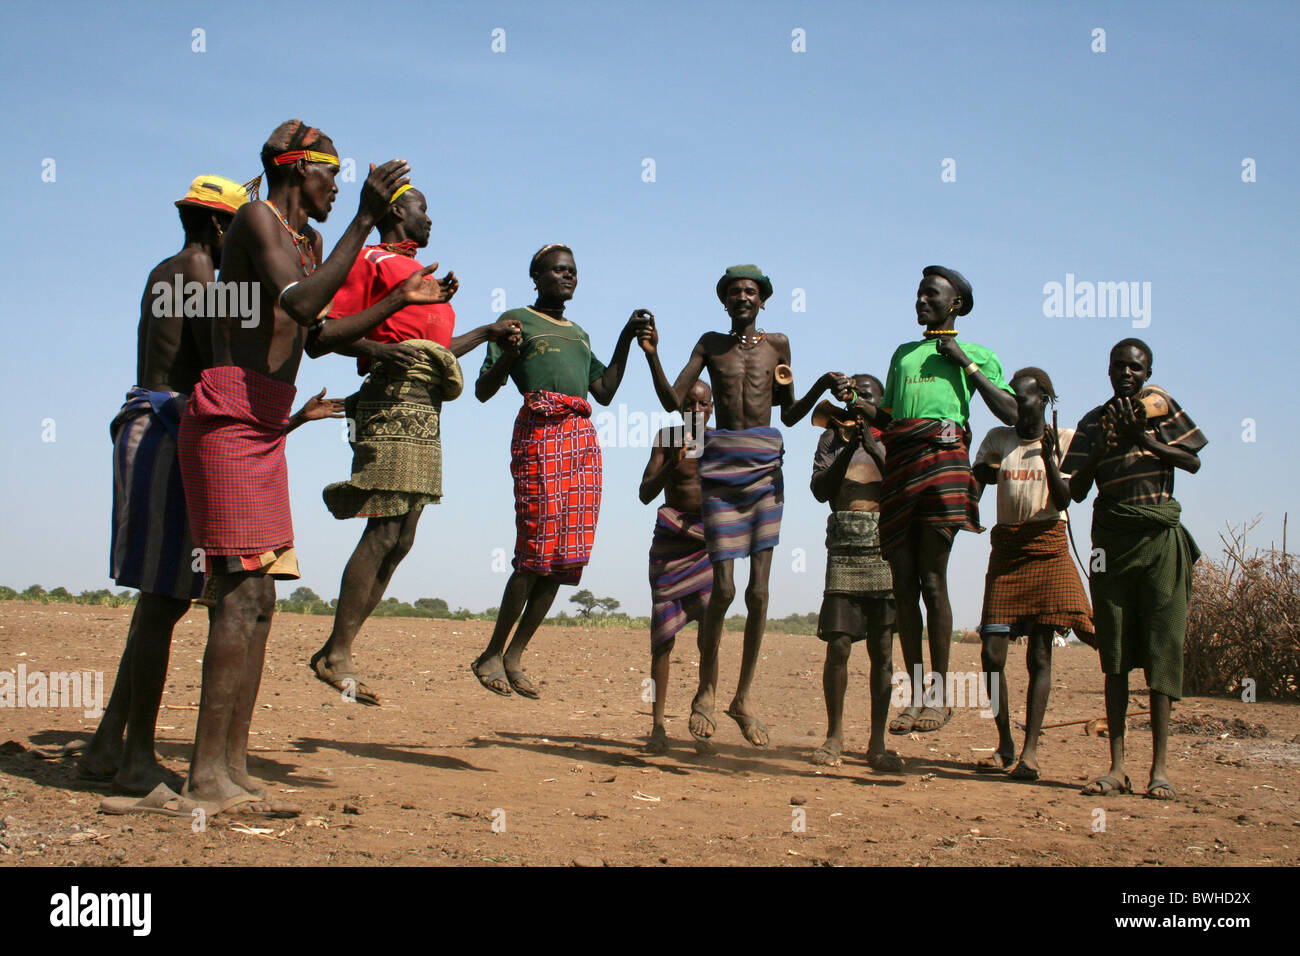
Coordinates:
740 475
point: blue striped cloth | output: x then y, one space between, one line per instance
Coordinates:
743 491
150 548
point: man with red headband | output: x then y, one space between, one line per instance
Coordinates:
232 433
396 432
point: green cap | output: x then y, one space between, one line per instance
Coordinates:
744 272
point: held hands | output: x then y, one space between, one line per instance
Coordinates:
841 386
379 188
512 342
420 289
503 329
642 325
947 347
318 406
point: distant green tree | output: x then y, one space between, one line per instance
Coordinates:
586 601
436 605
304 596
7 593
61 595
608 604
34 593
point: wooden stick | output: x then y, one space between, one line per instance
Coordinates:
181 706
1072 723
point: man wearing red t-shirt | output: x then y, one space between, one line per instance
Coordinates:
395 420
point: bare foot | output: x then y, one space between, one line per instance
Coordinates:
658 742
100 762
828 754
998 762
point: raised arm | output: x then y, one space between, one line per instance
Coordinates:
464 344
1058 487
418 289
792 412
670 397
309 296
603 388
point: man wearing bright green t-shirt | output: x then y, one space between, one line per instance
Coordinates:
928 489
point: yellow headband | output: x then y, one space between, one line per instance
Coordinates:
400 189
311 155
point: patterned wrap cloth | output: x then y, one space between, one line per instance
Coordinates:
1031 580
231 450
679 570
925 481
151 548
743 491
555 461
397 437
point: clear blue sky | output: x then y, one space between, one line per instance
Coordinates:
823 167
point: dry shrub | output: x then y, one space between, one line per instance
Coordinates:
1244 621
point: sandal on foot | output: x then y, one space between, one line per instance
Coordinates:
1022 771
350 685
162 800
1161 789
1106 786
750 727
886 761
251 805
494 681
704 742
941 714
905 722
827 755
522 684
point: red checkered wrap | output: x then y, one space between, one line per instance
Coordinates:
231 453
555 461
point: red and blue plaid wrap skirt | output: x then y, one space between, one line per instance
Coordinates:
556 464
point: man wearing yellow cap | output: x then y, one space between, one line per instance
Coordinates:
151 547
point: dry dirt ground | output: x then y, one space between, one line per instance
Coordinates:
424 778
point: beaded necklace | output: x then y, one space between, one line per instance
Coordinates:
299 240
749 341
939 333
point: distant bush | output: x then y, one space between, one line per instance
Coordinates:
1244 622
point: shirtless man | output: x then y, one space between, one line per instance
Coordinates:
231 441
859 600
740 475
151 547
681 575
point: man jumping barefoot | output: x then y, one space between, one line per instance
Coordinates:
231 443
396 420
858 603
740 476
681 576
1142 583
554 457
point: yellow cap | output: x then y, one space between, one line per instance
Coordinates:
215 192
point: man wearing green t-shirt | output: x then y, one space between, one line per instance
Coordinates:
928 488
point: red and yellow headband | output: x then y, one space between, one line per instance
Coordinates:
291 156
